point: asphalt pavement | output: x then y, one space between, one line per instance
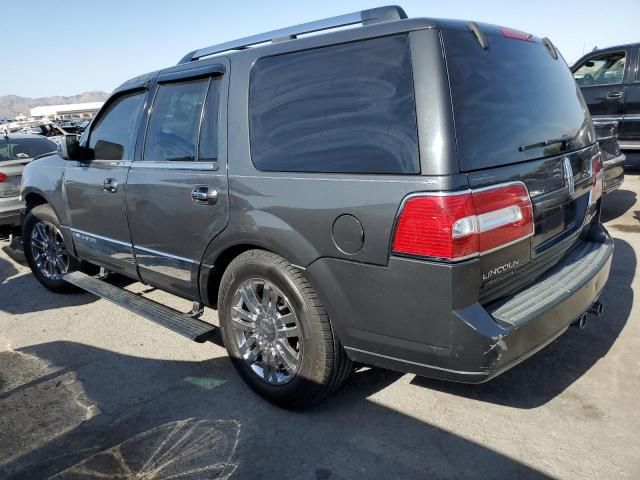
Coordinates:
89 390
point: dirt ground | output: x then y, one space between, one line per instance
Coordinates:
89 390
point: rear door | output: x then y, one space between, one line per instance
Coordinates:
601 79
177 197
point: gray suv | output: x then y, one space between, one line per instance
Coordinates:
416 194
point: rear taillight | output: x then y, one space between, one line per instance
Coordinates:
464 225
597 177
3 177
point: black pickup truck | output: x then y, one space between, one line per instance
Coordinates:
610 83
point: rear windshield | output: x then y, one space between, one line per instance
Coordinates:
24 148
513 94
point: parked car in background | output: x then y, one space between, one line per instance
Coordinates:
609 79
328 205
17 150
612 158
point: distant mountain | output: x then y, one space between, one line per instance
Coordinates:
12 105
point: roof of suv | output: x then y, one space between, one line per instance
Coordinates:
375 22
614 47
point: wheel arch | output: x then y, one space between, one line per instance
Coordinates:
33 199
211 273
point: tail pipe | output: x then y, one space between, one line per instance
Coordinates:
597 309
581 322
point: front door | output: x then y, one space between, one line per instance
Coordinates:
95 187
177 198
601 80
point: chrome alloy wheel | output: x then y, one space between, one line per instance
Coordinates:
267 331
48 250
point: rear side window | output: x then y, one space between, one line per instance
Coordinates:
341 109
111 138
23 148
208 149
175 120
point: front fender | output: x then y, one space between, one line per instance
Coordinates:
44 178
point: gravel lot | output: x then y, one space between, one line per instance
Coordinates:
89 390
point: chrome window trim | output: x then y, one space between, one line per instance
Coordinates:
170 165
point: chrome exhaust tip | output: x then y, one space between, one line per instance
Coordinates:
597 309
581 322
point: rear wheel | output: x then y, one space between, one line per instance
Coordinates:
277 332
45 250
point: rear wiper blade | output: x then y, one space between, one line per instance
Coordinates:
564 140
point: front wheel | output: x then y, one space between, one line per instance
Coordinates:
45 250
277 332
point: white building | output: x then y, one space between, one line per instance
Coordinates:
73 111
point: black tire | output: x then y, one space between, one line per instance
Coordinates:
324 365
44 213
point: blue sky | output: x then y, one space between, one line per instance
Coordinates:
64 48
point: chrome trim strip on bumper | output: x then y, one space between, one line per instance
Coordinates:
614 162
423 365
629 145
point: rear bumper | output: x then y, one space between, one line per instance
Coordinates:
614 173
421 318
10 211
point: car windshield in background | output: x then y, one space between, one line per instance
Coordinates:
510 95
24 148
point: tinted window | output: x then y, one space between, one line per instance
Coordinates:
172 134
345 108
208 151
601 70
111 137
511 95
22 148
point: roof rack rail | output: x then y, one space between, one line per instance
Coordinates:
365 17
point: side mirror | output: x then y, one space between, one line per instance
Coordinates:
69 147
589 64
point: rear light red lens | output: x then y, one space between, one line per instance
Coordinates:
597 177
3 177
426 224
464 225
516 34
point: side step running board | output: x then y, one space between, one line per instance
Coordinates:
179 322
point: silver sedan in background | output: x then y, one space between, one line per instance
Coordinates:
16 150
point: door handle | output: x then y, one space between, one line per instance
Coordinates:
204 195
110 185
614 95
